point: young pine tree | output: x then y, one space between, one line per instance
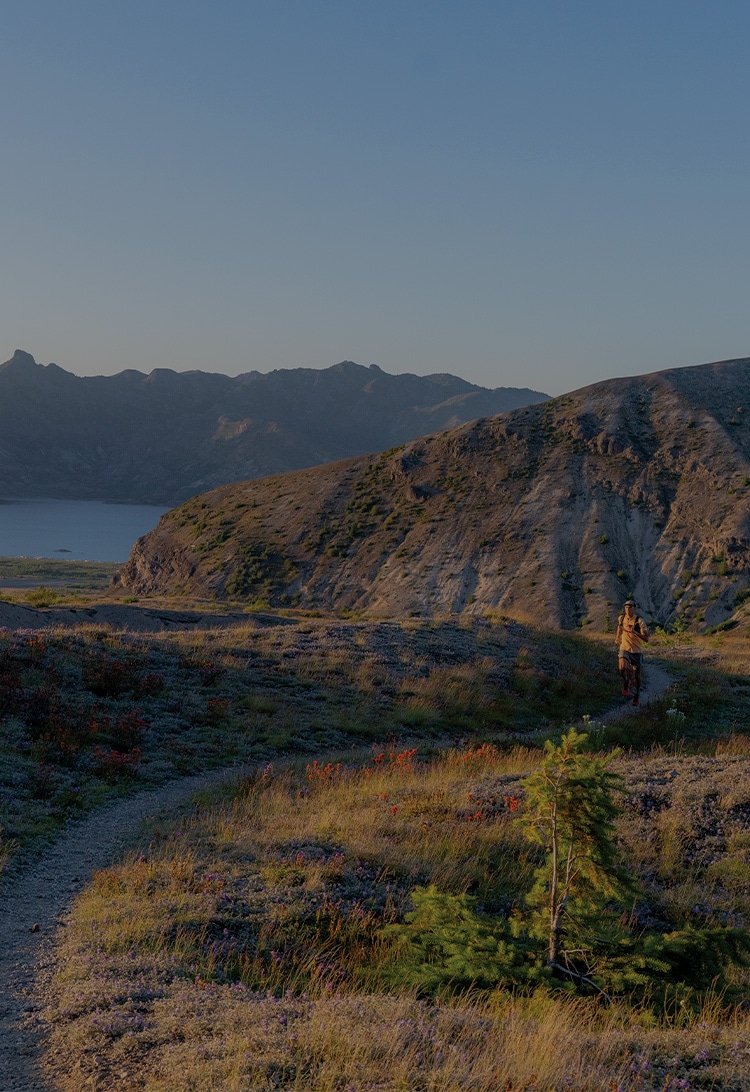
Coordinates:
570 810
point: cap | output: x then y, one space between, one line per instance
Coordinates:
629 603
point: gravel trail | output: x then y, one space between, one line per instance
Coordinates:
34 904
654 683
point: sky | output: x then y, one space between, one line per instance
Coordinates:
537 194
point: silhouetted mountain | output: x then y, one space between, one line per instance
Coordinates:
166 436
552 514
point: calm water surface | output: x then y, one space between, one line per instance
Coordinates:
76 530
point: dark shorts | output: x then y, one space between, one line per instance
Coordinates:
634 658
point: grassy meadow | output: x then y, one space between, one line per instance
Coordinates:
43 581
243 947
88 713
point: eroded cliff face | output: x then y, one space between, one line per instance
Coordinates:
551 514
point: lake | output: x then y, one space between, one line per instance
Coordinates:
73 530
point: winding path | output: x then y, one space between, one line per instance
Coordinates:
33 906
35 902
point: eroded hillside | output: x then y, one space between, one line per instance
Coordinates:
553 513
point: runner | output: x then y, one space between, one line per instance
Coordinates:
631 636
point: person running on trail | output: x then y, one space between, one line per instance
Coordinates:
631 636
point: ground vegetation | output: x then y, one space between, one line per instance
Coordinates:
248 945
389 772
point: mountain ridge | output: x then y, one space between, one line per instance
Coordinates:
163 436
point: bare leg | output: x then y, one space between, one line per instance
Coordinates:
636 682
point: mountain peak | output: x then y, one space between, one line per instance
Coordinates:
23 369
20 359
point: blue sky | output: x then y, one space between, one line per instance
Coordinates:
521 193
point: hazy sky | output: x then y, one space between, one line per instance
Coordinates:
527 193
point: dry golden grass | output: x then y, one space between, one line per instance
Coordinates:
153 994
240 949
252 691
223 1038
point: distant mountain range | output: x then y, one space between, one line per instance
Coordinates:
163 437
552 514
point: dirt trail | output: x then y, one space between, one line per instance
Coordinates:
39 898
655 681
